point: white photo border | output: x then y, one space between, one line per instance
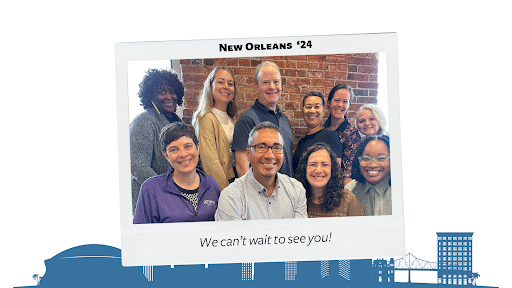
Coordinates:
185 243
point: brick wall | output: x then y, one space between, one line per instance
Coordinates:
300 74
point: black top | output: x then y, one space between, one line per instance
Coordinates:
260 113
326 136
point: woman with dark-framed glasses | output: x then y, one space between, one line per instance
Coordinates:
371 174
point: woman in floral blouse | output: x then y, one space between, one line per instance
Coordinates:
339 100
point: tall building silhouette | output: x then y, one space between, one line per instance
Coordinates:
454 258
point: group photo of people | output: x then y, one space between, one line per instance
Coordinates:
260 138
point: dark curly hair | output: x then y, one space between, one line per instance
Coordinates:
333 193
356 171
156 79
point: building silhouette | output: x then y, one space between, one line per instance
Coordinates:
455 258
100 266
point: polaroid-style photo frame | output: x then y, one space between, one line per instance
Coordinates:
260 240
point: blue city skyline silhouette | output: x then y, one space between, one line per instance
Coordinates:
96 265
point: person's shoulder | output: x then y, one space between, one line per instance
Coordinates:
155 181
208 119
287 180
248 114
232 192
206 179
350 128
349 194
145 118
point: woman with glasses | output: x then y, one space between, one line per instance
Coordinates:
160 92
320 174
371 174
214 122
313 111
184 193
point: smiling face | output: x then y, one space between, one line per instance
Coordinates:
268 86
183 155
265 165
313 112
318 169
339 103
367 123
375 172
223 89
165 100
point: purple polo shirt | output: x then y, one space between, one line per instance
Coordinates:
160 201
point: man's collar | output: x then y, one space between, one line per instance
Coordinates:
256 184
264 108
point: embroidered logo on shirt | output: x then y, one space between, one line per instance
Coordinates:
209 202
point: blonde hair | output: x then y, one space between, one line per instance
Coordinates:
377 113
206 98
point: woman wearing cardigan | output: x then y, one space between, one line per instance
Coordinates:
214 122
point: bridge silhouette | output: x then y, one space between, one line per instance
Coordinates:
410 262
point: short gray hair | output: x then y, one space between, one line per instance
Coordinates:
264 64
263 125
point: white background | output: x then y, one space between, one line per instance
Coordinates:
58 116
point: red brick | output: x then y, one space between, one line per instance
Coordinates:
315 74
313 65
336 58
335 75
302 73
291 89
289 72
367 69
255 62
297 57
244 62
322 82
369 85
317 58
297 81
298 114
188 112
358 77
302 64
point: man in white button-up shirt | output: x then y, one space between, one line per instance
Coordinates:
263 193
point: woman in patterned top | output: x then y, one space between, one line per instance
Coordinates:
339 100
321 177
184 193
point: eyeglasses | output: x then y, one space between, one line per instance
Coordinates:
263 148
366 160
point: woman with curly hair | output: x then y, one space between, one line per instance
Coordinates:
214 123
160 92
322 179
